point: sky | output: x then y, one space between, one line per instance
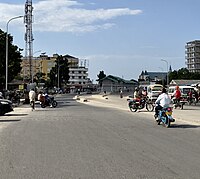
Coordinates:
120 37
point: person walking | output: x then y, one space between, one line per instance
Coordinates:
32 98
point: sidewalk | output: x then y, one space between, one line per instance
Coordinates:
189 114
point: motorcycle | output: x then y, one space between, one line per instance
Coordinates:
191 100
16 100
49 102
137 104
165 117
179 103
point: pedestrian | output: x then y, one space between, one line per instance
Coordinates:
32 98
121 93
1 95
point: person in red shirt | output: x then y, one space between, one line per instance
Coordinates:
177 94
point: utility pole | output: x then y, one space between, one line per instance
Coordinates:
28 20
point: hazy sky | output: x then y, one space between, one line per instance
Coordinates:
120 37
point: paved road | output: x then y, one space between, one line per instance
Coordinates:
189 115
78 141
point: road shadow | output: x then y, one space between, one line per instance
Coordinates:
184 126
15 114
11 120
186 109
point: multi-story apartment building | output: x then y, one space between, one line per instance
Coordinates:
192 50
43 64
78 73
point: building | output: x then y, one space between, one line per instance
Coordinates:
115 84
192 50
78 74
147 78
78 71
41 64
184 82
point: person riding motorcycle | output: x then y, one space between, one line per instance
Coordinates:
48 99
162 101
176 96
136 94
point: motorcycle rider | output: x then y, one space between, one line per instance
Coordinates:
176 95
190 95
161 102
136 94
48 99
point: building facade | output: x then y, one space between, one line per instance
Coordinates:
78 72
147 78
114 84
192 50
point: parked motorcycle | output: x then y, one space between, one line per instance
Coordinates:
16 100
165 117
49 102
137 104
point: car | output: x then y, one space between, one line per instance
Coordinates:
184 90
5 106
153 91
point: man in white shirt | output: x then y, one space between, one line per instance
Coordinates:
163 101
32 98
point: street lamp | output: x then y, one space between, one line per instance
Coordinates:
163 81
7 48
167 70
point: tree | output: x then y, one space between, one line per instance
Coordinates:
62 68
183 73
14 59
39 77
100 76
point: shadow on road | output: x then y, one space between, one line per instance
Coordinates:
12 120
15 114
184 126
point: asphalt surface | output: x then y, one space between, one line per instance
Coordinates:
190 114
79 141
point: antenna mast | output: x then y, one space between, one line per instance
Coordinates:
28 20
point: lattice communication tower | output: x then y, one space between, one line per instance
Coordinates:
28 20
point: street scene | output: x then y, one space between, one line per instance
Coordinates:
97 136
99 89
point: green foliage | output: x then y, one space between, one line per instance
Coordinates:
101 75
39 77
63 69
183 73
14 59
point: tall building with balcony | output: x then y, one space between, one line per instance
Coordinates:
192 50
78 72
